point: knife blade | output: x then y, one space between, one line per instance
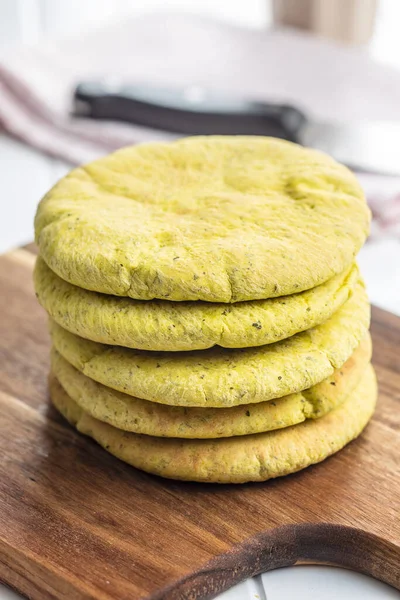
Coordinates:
194 110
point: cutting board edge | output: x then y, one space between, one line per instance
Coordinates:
289 545
285 546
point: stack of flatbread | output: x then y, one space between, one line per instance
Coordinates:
208 320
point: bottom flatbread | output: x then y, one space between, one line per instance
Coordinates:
255 457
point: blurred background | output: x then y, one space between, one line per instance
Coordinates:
373 22
337 60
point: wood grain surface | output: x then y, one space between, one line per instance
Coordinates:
75 523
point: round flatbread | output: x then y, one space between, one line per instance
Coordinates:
221 377
172 326
255 457
150 418
220 219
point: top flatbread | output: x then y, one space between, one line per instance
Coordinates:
173 326
220 219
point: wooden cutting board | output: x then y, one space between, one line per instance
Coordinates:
75 523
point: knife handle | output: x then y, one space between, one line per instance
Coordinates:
191 110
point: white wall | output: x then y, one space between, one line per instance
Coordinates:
29 20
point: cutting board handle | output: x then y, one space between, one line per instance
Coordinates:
309 543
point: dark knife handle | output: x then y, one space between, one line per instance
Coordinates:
191 110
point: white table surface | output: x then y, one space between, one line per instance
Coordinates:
25 176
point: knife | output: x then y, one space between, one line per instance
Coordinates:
193 110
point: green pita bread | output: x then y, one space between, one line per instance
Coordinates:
255 457
140 416
220 219
163 325
220 377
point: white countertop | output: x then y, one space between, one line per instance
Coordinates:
25 176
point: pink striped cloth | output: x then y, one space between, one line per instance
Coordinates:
329 81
